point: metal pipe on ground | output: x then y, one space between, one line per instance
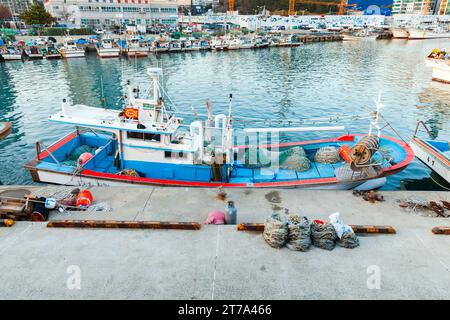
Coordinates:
359 229
6 222
120 224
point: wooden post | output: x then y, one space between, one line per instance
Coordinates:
119 224
441 230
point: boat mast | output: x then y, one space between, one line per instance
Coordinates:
229 139
374 123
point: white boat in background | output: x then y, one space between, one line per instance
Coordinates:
10 53
135 49
106 48
433 153
400 33
233 43
439 60
422 34
70 49
218 44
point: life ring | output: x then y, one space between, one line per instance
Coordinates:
131 113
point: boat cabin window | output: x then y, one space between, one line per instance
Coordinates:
143 136
178 155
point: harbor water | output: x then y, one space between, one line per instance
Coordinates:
313 80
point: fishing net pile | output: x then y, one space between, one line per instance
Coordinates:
327 155
323 235
299 233
292 158
348 240
72 159
275 231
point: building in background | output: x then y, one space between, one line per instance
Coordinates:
17 6
424 7
109 13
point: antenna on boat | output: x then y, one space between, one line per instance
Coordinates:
229 131
103 93
374 123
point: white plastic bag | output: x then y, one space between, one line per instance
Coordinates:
338 225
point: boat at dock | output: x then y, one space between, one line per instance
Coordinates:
106 48
218 44
70 49
33 53
400 33
439 60
5 129
135 49
50 52
423 34
11 53
146 143
435 154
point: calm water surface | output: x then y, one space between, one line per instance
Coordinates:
317 79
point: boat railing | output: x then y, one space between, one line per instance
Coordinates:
40 146
419 123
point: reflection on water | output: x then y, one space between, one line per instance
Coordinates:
314 80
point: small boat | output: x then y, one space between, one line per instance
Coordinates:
50 52
106 48
400 33
205 45
5 129
247 43
261 42
70 49
135 49
34 53
147 144
174 46
233 43
218 44
439 60
435 154
436 32
10 53
159 46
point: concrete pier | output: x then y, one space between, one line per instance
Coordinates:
218 262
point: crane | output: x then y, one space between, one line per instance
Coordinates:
231 5
341 5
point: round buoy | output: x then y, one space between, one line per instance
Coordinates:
85 157
84 199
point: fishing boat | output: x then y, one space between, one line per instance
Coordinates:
400 33
159 46
428 32
174 46
106 48
135 49
5 129
34 53
433 153
439 60
205 45
147 143
70 49
10 53
218 44
233 43
50 52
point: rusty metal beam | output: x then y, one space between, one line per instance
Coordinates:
6 222
441 230
259 227
123 224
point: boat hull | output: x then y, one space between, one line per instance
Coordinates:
417 34
73 54
5 129
431 157
108 53
400 34
137 53
11 57
43 171
441 70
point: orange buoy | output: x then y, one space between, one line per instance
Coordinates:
344 151
84 199
85 157
131 113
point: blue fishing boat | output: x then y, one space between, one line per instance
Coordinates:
433 153
145 143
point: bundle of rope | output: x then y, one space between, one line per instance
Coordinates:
323 235
275 231
348 240
299 236
327 155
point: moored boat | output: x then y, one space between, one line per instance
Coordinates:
135 49
146 144
70 49
34 53
10 53
435 154
106 48
400 33
5 129
439 60
50 52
